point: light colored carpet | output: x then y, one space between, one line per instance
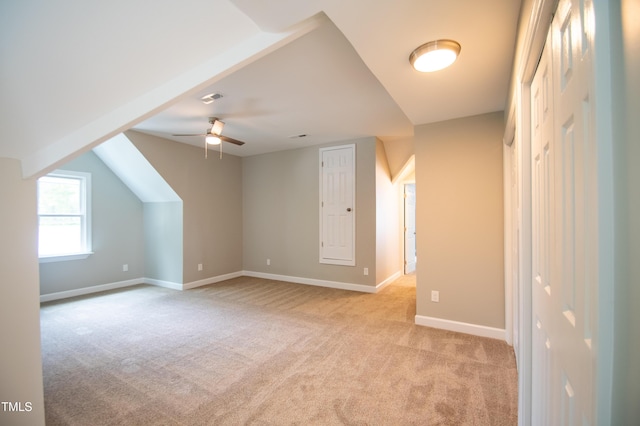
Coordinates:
260 352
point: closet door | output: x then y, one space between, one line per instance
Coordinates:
337 205
542 180
564 224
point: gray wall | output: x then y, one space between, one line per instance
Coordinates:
281 216
117 234
21 362
625 50
211 193
163 236
264 206
459 219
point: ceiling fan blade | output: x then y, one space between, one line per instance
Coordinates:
191 134
231 140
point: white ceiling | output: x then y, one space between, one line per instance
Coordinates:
316 85
74 74
351 76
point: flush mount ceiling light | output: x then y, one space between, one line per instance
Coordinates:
435 55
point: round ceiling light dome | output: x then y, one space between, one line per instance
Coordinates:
213 139
435 55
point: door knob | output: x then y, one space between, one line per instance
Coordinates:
348 209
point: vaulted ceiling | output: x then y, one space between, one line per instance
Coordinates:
74 74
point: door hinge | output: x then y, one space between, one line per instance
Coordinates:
321 243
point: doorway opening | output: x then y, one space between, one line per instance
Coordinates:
410 253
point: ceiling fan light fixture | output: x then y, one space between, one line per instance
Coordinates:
216 126
435 55
213 139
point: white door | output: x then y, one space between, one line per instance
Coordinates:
564 223
337 205
409 228
542 154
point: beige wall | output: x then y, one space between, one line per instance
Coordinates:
281 216
211 192
398 152
20 360
388 246
459 219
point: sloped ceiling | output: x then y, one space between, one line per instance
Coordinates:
76 73
384 33
135 171
315 86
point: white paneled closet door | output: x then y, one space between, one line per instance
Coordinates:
564 223
337 205
542 154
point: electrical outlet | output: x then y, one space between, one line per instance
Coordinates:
268 262
366 271
435 296
199 266
125 267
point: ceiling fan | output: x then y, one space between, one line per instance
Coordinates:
214 136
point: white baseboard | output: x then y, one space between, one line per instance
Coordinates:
212 280
388 281
177 286
192 284
128 283
312 281
88 290
461 327
162 283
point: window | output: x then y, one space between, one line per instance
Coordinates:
64 216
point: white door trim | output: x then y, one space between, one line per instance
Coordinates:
518 133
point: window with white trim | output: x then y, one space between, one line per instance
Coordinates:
64 204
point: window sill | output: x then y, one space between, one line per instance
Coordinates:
64 257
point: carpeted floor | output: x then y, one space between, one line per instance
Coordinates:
260 352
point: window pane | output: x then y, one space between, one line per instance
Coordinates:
60 235
59 195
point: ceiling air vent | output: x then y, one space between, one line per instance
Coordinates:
207 99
